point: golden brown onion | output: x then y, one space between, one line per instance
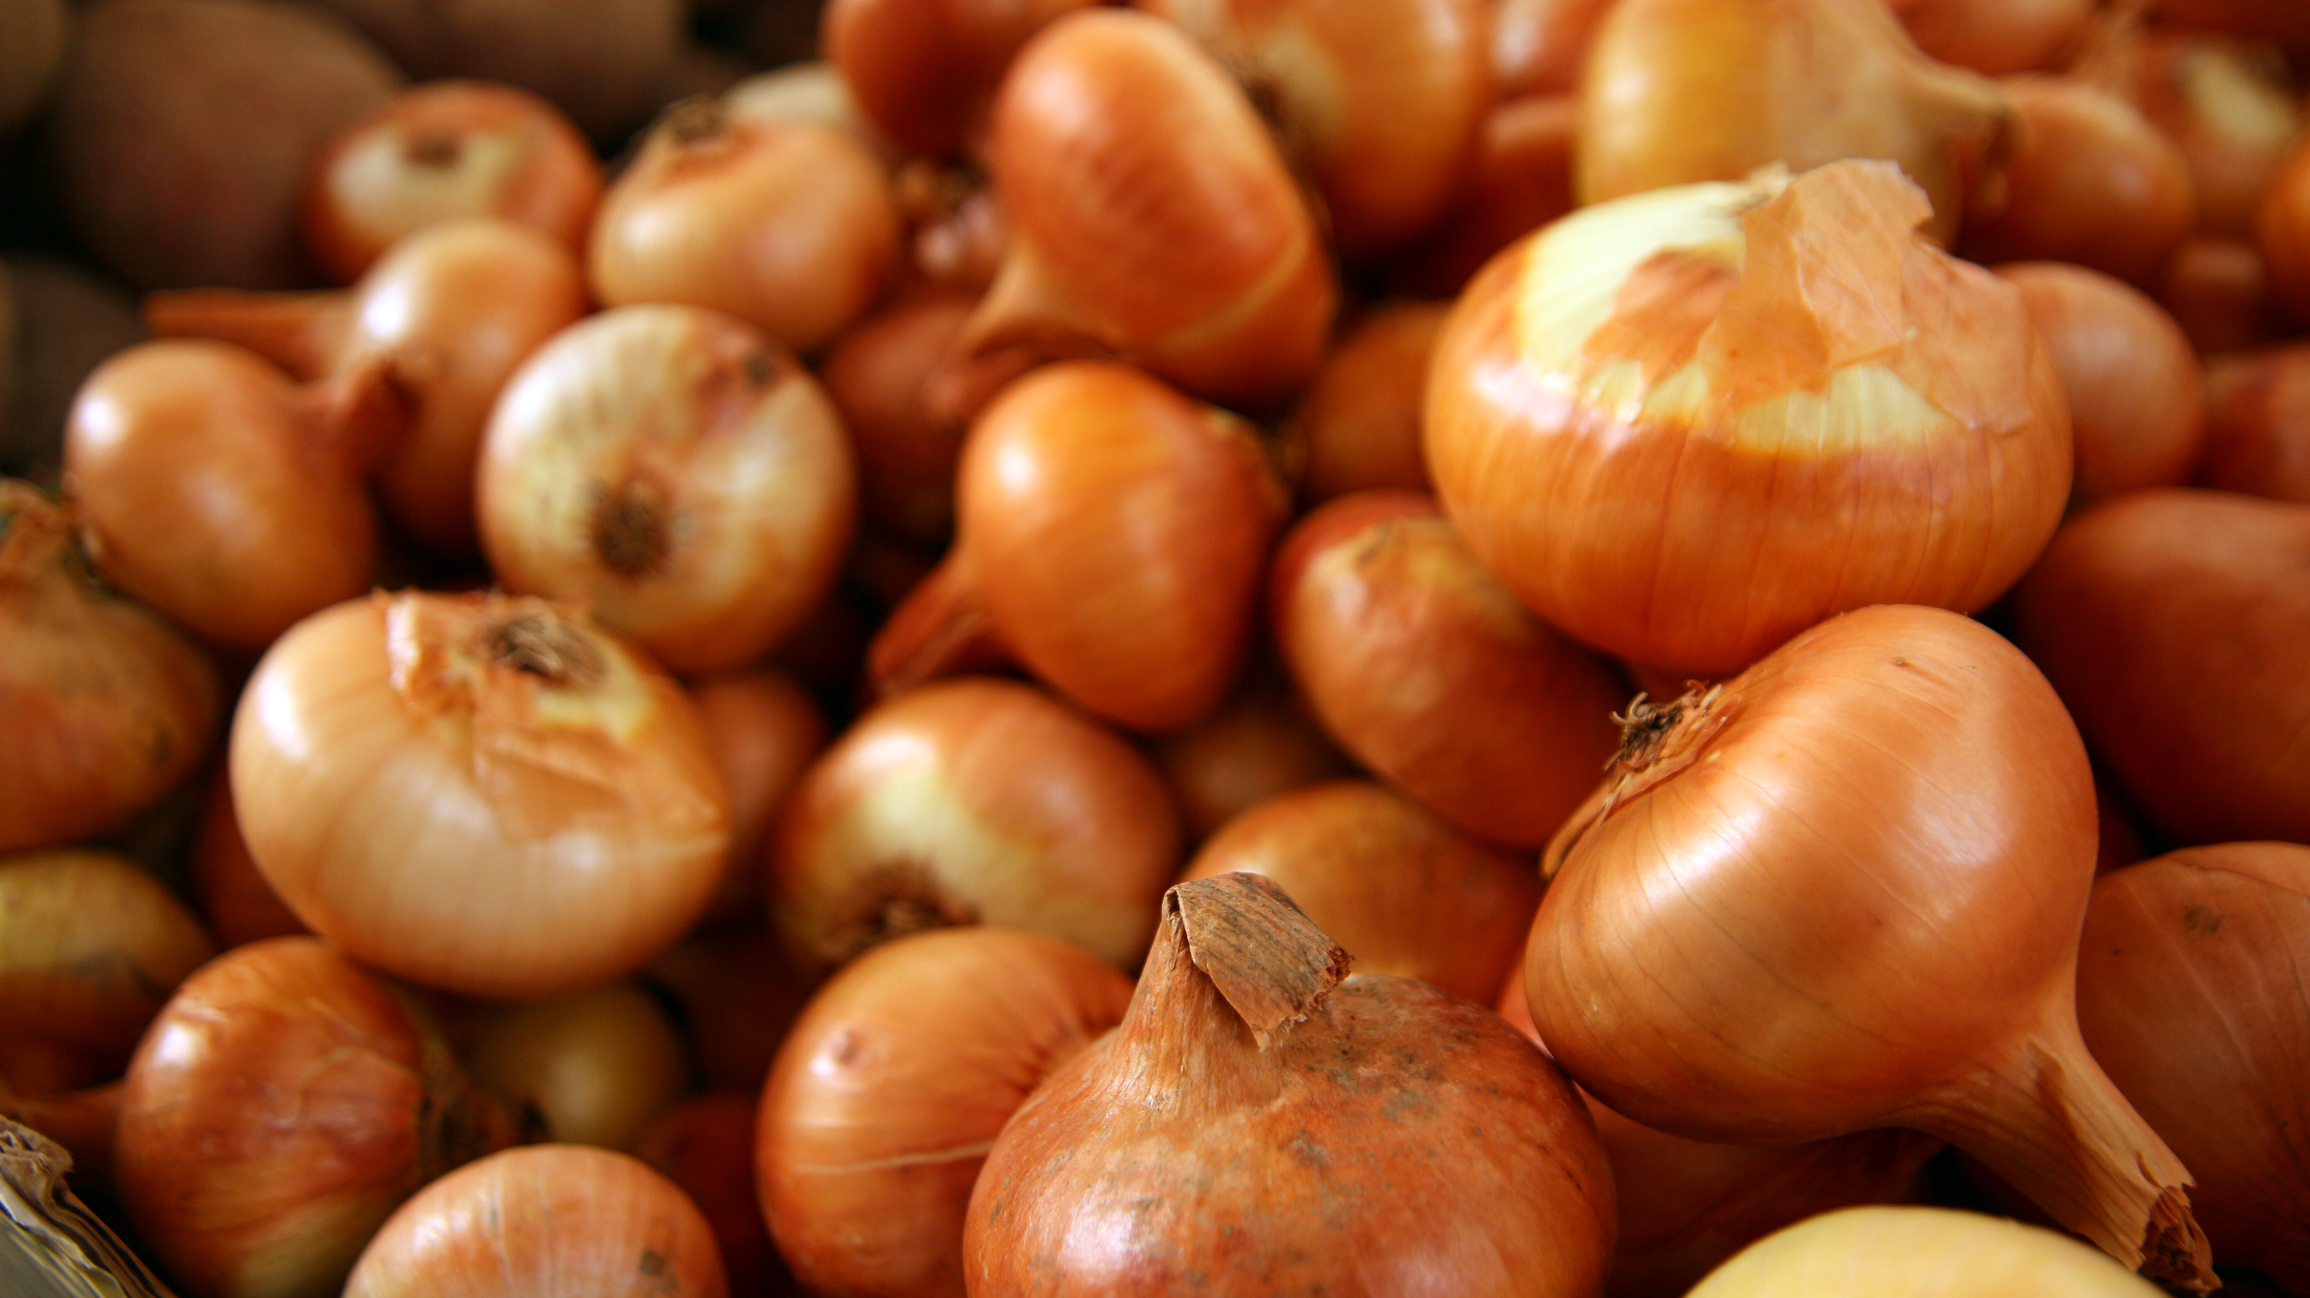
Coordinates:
923 71
1358 427
2282 229
764 731
1521 179
878 375
735 996
2258 424
2220 293
590 1068
234 898
2226 104
1261 742
1686 425
706 1146
893 1086
1999 37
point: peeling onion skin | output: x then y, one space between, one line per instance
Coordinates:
1877 843
893 1085
2258 424
679 469
1258 1126
1911 1252
1423 666
2203 730
1650 465
481 793
108 705
2189 993
566 1220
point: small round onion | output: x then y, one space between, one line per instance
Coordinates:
892 1088
2219 292
1538 46
879 375
1358 427
444 151
678 469
706 1146
2137 404
234 898
590 1068
566 1220
1919 1253
481 793
2226 105
735 996
1405 892
765 731
1261 742
2258 424
968 802
1999 37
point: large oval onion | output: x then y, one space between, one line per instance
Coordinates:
2189 990
1843 891
2175 624
1686 425
482 793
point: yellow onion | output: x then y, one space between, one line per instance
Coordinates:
482 793
878 375
2220 293
234 898
893 1086
2227 106
1679 91
590 1068
923 70
2282 229
1538 46
1380 101
1151 217
764 730
1261 742
1521 180
1358 427
108 706
706 1146
1919 1253
2258 424
1999 37
1686 425
734 995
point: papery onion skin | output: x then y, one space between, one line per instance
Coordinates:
2189 993
90 947
1920 1253
1407 893
109 706
893 1085
1151 217
480 793
787 225
2258 424
1678 91
973 801
923 71
443 151
677 468
559 1219
1661 478
2201 727
590 1068
280 1107
1358 427
1877 844
1264 1127
1421 664
2136 396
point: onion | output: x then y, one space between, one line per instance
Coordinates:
1521 179
1678 91
966 802
807 92
1655 418
234 898
1151 217
2136 397
1381 102
1999 37
2089 181
677 468
2258 424
735 997
878 375
1843 891
2189 992
108 706
2219 292
546 1219
449 312
923 71
1414 897
2227 106
67 321
1919 1253
2166 619
764 732
1686 1205
706 1146
182 131
279 1108
1261 742
1539 46
1258 1125
32 39
892 1088
959 231
227 497
83 1122
1109 535
602 65
1358 427
1426 669
788 225
445 151
481 793
590 1068
90 947
2282 229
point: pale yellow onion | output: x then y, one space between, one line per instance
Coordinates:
1906 1252
481 793
590 1068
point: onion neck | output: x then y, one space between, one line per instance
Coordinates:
2049 1121
84 1122
1235 967
355 420
939 629
300 332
